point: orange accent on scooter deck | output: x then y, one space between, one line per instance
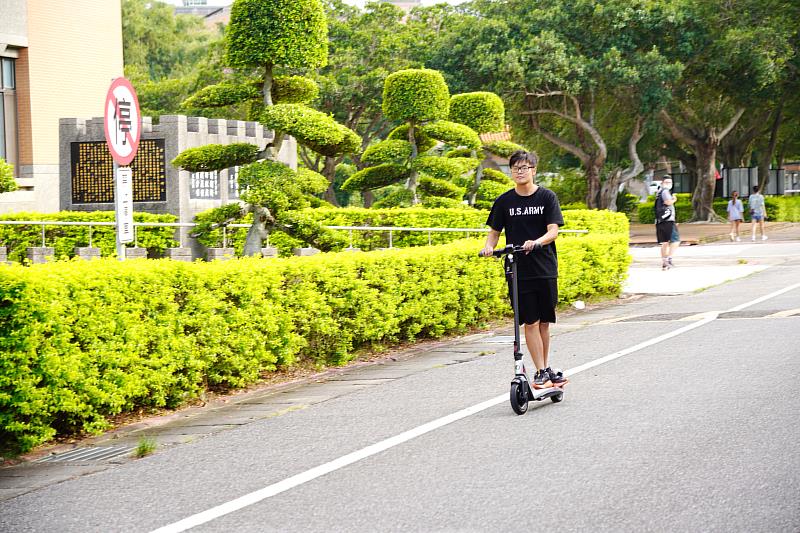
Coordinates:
550 385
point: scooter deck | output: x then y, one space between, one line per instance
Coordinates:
551 386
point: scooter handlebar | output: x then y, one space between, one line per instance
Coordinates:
499 252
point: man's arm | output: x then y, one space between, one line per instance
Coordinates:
491 242
547 238
672 199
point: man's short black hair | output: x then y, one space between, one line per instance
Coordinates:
755 188
521 155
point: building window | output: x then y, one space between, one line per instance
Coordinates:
233 182
9 77
8 112
204 185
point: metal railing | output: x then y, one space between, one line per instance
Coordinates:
390 229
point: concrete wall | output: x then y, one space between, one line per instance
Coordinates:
14 23
179 133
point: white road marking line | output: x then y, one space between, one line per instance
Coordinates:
764 298
321 470
645 344
378 447
784 314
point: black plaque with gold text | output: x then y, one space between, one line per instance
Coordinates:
93 173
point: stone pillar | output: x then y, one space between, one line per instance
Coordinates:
179 254
136 253
269 251
305 251
41 254
220 254
87 252
3 254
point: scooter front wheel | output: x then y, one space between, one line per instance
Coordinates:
519 399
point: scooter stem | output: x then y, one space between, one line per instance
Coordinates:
515 306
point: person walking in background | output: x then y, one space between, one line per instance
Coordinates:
758 212
666 226
735 215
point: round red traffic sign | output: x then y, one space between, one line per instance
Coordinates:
123 121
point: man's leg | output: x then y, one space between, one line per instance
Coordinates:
672 247
544 333
533 338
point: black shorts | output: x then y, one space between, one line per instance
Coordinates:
537 300
664 231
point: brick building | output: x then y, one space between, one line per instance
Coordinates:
58 60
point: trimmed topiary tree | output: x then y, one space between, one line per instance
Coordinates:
483 112
265 35
420 100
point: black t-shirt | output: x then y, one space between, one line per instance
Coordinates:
525 218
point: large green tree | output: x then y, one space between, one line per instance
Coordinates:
736 54
159 44
264 38
582 75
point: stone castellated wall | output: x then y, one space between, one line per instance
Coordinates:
186 193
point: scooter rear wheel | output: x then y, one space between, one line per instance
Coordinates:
519 400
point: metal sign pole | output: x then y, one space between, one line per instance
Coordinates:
117 214
123 184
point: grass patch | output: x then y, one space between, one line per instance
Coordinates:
146 446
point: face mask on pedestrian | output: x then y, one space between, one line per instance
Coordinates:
666 186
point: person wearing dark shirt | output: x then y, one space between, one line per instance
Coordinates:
531 215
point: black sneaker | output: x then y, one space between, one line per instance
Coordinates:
541 380
556 376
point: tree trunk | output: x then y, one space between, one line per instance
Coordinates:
369 198
609 189
267 89
258 231
411 183
769 152
703 196
704 143
592 169
473 192
329 171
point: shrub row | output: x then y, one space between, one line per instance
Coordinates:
65 238
83 341
779 209
594 221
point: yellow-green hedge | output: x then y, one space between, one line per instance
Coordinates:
64 239
83 341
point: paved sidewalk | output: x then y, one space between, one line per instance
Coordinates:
701 233
700 267
697 267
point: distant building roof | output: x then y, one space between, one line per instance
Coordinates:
211 15
496 136
405 5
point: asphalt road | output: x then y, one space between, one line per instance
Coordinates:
697 432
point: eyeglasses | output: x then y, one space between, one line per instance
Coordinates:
520 170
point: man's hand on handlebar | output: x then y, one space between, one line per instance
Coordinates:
486 252
529 246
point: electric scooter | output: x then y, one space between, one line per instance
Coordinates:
521 390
